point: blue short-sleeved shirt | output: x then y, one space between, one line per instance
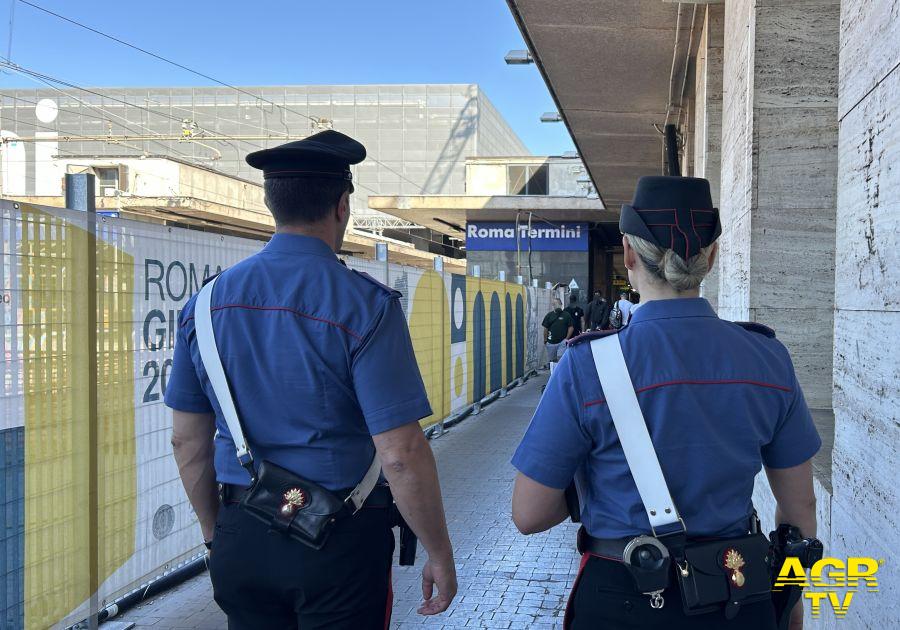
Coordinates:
720 401
319 359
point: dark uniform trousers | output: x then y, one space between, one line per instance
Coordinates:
264 580
604 597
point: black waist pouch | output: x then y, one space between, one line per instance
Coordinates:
292 505
728 572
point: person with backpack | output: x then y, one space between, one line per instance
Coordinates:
620 313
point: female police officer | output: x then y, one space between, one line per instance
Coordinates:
719 401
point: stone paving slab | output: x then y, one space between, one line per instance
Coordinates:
506 580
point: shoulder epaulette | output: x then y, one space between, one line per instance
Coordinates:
380 285
590 336
757 328
210 279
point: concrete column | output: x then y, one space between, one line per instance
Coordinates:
708 118
779 177
866 453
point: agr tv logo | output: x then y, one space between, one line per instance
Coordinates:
827 578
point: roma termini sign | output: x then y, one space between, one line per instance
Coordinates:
542 236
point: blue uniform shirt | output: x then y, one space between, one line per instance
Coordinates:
719 401
318 357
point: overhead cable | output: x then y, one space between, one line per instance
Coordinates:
199 74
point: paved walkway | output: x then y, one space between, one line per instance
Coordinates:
506 580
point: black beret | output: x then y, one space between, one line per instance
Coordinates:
325 154
674 213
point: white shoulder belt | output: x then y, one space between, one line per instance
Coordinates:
618 390
209 353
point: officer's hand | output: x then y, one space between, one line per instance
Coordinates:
442 575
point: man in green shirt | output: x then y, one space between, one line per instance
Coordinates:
558 327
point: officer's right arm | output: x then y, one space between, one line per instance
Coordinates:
392 397
193 428
554 446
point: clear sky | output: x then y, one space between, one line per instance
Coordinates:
279 42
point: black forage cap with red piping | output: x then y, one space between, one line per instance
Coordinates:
674 213
326 154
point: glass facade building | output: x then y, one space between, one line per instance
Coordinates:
417 136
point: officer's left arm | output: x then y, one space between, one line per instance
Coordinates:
554 446
192 443
788 462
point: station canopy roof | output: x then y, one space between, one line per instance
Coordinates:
609 66
448 214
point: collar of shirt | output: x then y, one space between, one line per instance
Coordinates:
299 244
669 309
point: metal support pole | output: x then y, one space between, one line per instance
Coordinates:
439 267
80 192
672 166
80 196
381 255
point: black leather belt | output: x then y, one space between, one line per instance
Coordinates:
609 548
380 497
613 548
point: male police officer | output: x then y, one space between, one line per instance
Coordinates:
321 366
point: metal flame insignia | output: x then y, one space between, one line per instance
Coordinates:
734 561
294 499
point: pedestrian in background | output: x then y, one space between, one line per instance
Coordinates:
620 314
713 402
320 364
576 313
597 313
558 327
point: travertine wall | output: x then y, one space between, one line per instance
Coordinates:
736 192
866 499
708 119
779 174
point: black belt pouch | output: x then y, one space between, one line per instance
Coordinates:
292 505
728 572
